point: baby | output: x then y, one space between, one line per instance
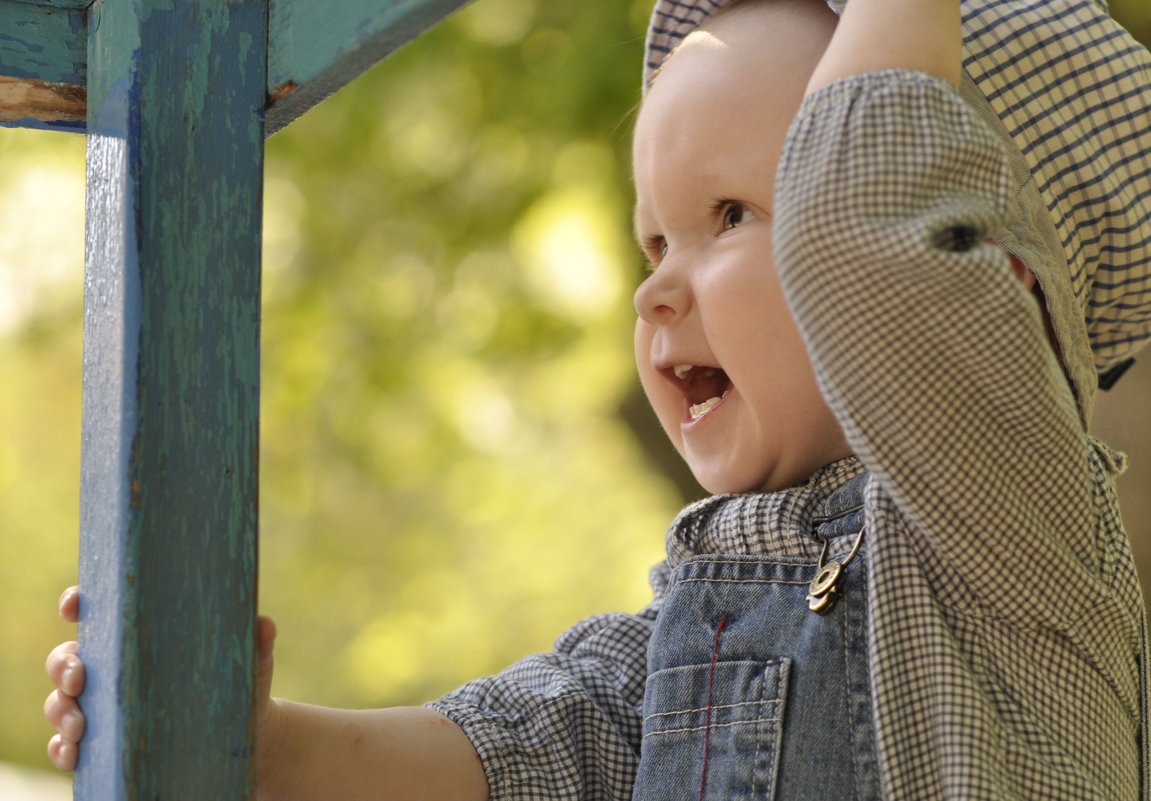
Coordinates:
871 326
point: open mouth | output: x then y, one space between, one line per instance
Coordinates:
702 387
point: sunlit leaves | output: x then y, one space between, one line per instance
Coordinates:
446 484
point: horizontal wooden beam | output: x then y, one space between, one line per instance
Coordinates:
58 3
315 48
43 65
43 43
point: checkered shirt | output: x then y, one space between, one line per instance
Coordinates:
1007 637
1007 628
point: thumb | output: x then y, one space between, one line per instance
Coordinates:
265 639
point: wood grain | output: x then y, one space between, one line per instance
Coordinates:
25 99
170 438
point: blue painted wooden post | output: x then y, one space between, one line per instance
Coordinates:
176 97
173 95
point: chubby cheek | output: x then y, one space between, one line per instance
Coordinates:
665 401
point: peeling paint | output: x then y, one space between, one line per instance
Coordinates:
321 46
43 43
39 100
280 91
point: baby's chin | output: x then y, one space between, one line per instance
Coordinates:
777 477
719 482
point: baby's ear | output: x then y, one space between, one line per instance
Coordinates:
1025 276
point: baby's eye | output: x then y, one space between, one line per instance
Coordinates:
735 214
655 247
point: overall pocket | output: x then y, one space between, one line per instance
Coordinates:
712 731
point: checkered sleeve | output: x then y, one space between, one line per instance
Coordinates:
933 357
565 724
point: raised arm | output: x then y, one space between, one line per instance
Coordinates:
889 196
920 35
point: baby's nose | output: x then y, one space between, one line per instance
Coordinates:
663 297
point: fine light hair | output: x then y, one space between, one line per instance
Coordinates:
729 8
735 5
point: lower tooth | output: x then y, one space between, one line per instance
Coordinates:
698 409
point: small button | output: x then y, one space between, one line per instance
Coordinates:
822 604
826 579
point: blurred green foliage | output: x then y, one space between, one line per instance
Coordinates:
447 479
41 261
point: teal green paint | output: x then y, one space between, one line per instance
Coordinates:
245 51
319 46
43 43
58 3
315 46
171 397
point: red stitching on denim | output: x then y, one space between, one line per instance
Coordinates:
710 684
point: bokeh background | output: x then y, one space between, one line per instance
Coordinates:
456 462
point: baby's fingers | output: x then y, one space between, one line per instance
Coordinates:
65 716
65 669
69 604
63 754
61 709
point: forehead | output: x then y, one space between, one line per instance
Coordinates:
788 35
724 99
750 65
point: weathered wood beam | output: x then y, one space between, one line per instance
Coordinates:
171 397
43 65
43 43
58 3
48 103
315 48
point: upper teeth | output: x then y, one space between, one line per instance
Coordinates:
681 370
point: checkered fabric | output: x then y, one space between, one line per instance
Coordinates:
1007 628
1007 638
565 725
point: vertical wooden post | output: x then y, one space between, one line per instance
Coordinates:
176 96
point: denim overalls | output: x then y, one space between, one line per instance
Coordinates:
750 694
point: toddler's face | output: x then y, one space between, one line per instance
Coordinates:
719 354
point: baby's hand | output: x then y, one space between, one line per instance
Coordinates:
66 670
67 673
